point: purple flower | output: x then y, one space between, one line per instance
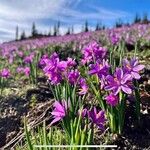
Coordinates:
43 60
84 87
20 70
20 53
83 112
100 53
112 99
59 112
114 39
100 69
132 67
5 73
28 59
27 71
97 118
11 59
73 76
70 62
54 69
62 65
119 82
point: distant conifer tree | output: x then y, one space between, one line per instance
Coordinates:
97 27
17 33
119 23
137 19
68 31
145 19
49 33
86 28
58 28
72 29
23 36
55 31
34 31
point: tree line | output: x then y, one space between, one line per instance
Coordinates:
85 28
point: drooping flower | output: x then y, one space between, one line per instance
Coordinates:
5 73
101 69
118 82
112 99
59 111
132 67
97 118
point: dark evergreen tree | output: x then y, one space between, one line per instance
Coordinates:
34 31
137 19
49 33
86 28
17 33
103 27
55 31
58 28
97 27
119 23
68 31
145 19
23 36
72 30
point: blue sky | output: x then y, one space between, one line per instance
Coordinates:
70 12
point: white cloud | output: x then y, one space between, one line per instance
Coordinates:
24 12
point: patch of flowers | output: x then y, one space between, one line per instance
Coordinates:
71 85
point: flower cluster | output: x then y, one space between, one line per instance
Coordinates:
122 80
57 71
61 110
23 70
93 52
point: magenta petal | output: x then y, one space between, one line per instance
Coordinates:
135 75
126 89
55 120
125 62
101 126
58 114
110 78
138 68
126 78
119 73
110 87
134 62
58 106
91 72
117 90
